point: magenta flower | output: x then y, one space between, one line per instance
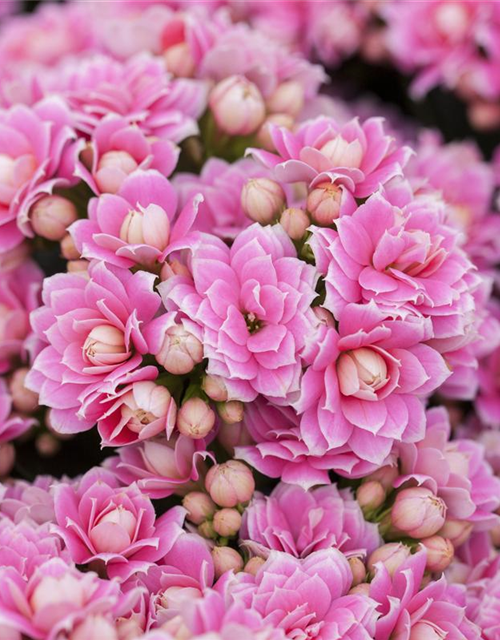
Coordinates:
11 425
252 303
94 329
300 522
135 225
98 519
488 400
360 156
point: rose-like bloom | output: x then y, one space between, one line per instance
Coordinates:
99 519
300 522
35 143
29 502
483 606
116 149
362 390
135 225
454 470
94 328
161 467
11 425
252 303
19 295
360 156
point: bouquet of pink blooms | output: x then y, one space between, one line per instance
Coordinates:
249 336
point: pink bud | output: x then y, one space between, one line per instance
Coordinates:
288 98
233 435
53 595
264 138
96 626
391 555
342 153
370 495
262 199
226 559
484 116
112 169
215 388
362 589
425 630
227 522
457 531
146 225
358 570
361 373
144 405
51 216
231 412
47 445
180 351
237 106
195 419
68 248
173 597
199 506
418 512
253 565
174 268
179 60
386 475
295 222
440 553
206 529
323 203
452 20
78 267
24 400
105 345
230 483
114 531
7 458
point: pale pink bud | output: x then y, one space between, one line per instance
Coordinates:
237 106
295 222
425 630
288 97
7 458
47 445
51 216
146 225
94 627
173 597
324 317
227 522
105 345
226 559
144 404
24 400
174 268
370 495
231 412
230 483
386 475
195 419
262 199
112 169
78 267
199 506
362 589
358 570
440 553
68 248
179 61
323 203
114 531
361 373
180 351
264 138
206 529
457 531
215 388
233 435
253 565
53 595
484 116
391 555
418 512
452 19
342 153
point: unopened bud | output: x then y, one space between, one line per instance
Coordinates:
230 483
370 495
295 222
253 565
199 506
262 199
179 61
7 458
112 169
288 98
68 248
323 203
237 106
78 267
206 530
51 216
457 531
215 388
227 522
358 570
440 553
391 555
418 512
362 589
180 351
231 412
386 475
226 559
174 268
195 419
24 400
264 138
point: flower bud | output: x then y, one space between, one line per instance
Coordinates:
215 388
7 458
146 225
180 351
195 419
230 483
237 106
425 630
418 512
323 203
484 115
115 538
51 216
173 268
105 345
231 412
295 222
288 98
78 267
253 565
362 589
370 495
112 169
358 570
386 475
179 61
226 559
262 199
227 522
144 405
342 153
96 626
230 436
264 138
199 506
206 530
23 399
457 531
68 248
47 445
440 553
361 373
391 555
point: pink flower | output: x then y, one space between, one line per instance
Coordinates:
35 142
483 606
135 225
29 502
98 519
11 424
94 329
160 467
300 522
361 392
360 156
252 303
488 400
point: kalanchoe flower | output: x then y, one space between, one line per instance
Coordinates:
488 400
12 425
300 522
100 520
252 304
94 328
360 156
230 484
29 502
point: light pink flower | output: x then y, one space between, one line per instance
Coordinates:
252 303
360 156
11 425
29 502
94 330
